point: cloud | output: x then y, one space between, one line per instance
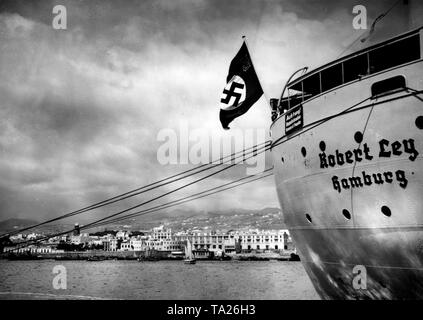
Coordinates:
81 108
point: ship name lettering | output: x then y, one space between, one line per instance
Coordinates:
396 147
368 179
386 150
349 156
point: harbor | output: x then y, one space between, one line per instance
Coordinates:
155 245
203 149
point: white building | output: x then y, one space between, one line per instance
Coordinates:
227 242
110 245
262 240
122 235
33 249
33 236
215 242
165 244
125 246
161 233
97 241
137 244
81 238
17 237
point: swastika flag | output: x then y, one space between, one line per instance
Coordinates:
242 90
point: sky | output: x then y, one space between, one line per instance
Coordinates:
81 109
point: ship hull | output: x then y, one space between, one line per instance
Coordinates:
390 259
350 185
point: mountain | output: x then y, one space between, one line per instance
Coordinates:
265 219
15 223
178 220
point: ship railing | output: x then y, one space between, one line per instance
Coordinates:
388 55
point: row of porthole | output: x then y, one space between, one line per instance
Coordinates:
384 209
358 137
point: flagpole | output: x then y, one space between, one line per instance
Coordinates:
257 73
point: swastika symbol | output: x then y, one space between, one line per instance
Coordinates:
232 93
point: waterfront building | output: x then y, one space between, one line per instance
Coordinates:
125 246
110 244
237 241
95 240
165 244
211 241
33 249
137 244
172 245
261 240
202 254
79 239
160 233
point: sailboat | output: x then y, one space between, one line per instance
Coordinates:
189 257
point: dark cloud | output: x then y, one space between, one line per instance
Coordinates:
81 109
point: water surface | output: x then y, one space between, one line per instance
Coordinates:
156 280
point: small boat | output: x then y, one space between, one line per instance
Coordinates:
143 259
190 261
95 258
189 257
294 257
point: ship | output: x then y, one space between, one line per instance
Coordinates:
189 256
347 148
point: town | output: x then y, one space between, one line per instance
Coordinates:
159 243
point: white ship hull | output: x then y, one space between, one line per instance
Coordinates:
350 185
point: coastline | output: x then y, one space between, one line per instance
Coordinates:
98 255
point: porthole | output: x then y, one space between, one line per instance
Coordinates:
308 218
386 211
419 122
346 214
322 146
358 137
303 151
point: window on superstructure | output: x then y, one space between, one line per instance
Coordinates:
355 68
395 54
311 85
331 77
296 95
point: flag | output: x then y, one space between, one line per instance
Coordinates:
242 90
